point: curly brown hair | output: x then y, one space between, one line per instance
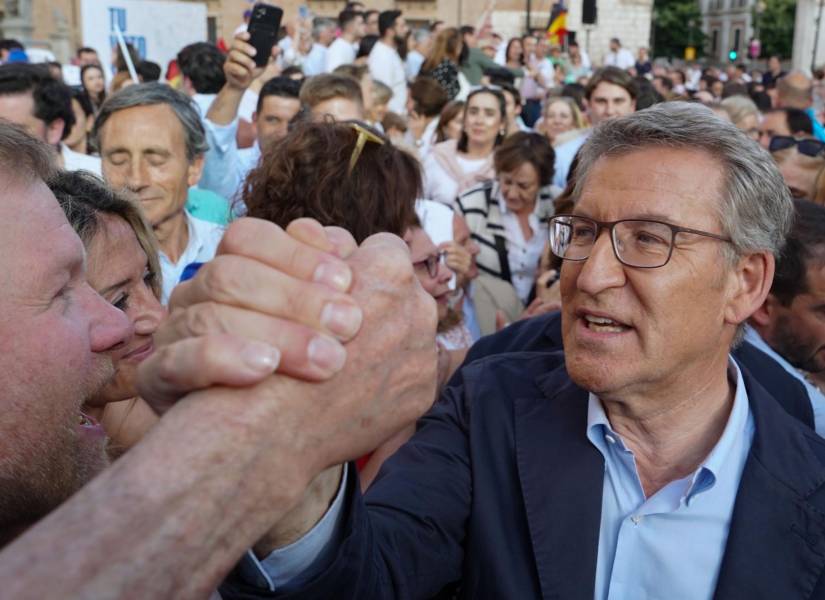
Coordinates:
307 174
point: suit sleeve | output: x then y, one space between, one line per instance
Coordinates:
404 540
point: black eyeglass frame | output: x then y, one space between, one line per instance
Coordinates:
434 260
611 227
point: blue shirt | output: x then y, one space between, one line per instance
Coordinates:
225 165
671 544
816 397
565 153
819 131
672 541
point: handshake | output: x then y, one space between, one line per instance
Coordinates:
315 348
288 354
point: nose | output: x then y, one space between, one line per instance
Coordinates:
137 177
149 313
601 270
109 327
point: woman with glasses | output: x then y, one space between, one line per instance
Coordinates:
507 215
455 166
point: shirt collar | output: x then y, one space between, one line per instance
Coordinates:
599 432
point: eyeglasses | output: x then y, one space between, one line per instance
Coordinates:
364 136
431 263
811 148
641 243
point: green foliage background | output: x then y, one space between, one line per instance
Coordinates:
672 31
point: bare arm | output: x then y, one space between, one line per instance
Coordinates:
173 515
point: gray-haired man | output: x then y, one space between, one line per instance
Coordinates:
642 458
152 143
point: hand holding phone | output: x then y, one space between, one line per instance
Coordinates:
263 30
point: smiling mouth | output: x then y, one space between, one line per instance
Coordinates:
604 324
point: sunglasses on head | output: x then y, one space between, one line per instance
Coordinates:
807 147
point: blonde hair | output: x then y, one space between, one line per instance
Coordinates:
739 108
578 119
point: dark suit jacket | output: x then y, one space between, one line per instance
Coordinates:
543 334
501 489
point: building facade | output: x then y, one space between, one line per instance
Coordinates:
728 25
56 24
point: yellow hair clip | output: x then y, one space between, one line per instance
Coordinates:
364 136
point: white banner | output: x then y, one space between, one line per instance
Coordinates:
157 29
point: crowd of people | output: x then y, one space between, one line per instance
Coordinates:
411 314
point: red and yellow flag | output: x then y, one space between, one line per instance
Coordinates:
557 25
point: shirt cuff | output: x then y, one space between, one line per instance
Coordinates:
290 567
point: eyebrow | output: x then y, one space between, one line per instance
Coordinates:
646 216
108 289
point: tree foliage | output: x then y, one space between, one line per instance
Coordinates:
775 25
677 24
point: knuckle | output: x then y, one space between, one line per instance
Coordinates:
220 279
201 319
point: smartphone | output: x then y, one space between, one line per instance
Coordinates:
263 31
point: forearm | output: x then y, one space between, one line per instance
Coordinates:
306 514
224 108
169 519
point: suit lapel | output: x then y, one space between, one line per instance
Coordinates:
776 544
561 476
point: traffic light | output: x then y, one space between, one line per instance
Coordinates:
732 55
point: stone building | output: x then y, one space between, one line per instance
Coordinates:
56 24
729 26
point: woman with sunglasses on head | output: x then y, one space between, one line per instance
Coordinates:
455 166
122 266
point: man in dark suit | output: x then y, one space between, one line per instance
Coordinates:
642 462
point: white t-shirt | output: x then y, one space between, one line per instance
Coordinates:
340 52
387 67
75 161
204 238
623 58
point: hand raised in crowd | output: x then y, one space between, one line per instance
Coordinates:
456 257
240 69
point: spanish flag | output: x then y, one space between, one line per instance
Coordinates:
557 25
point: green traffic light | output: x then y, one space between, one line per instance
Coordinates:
732 55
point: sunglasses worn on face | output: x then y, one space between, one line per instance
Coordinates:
807 147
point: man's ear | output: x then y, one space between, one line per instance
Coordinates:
766 313
195 171
751 281
54 132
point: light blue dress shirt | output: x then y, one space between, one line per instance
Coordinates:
667 546
816 397
316 60
565 153
225 165
671 544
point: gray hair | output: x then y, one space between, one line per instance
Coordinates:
150 94
321 25
755 207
